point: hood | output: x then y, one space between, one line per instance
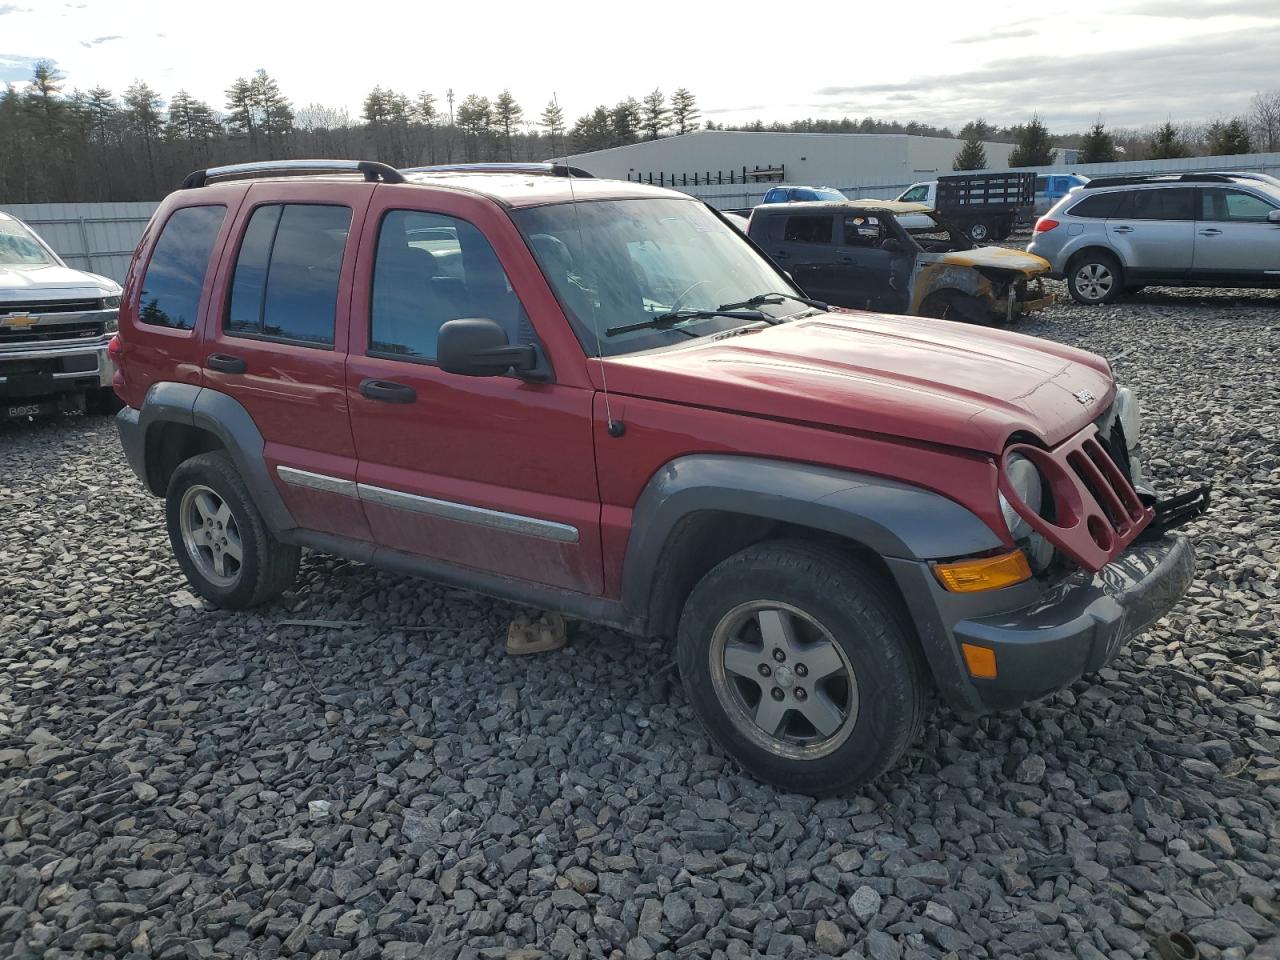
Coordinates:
999 257
22 282
908 377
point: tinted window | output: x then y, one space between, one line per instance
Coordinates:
432 268
1171 203
1097 207
861 230
808 229
286 280
175 276
776 196
918 194
1229 205
804 195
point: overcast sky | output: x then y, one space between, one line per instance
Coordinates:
1134 63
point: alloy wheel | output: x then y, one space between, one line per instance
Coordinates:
211 535
1094 280
783 680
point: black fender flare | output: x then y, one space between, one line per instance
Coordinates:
895 520
218 414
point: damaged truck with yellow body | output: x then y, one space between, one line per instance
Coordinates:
858 254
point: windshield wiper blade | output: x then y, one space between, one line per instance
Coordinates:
763 298
666 321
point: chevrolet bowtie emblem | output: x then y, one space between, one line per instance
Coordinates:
18 320
1084 396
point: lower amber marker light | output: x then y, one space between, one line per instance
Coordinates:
984 573
981 661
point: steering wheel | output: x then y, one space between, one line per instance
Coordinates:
688 290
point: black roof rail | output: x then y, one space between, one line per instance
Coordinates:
371 170
534 169
1137 178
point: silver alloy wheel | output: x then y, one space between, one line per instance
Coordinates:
211 535
1094 280
783 680
978 232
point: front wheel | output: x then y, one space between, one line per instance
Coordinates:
220 539
801 665
979 231
1095 278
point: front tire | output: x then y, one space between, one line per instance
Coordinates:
220 539
801 664
1095 278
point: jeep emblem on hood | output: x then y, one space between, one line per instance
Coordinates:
1084 396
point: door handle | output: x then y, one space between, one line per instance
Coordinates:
1123 229
1210 232
225 363
387 392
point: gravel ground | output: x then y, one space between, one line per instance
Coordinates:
178 782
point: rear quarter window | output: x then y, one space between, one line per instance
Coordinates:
171 286
808 230
1100 206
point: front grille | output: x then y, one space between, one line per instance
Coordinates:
1108 485
51 333
51 306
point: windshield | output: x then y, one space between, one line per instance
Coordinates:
827 193
19 246
614 263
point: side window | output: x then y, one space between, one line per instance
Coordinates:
861 230
285 285
430 269
918 194
175 276
808 230
804 195
1099 206
1234 206
1171 203
1042 184
775 195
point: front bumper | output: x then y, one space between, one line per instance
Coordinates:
1044 639
54 368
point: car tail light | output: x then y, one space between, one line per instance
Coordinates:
1044 225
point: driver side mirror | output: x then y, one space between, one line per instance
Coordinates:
478 347
1274 216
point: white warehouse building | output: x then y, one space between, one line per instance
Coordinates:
735 168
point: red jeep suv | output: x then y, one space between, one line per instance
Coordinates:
599 398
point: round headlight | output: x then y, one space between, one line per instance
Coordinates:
1024 478
110 303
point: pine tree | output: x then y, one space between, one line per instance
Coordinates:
1097 146
507 115
1035 146
1166 145
275 112
625 119
594 131
475 120
972 156
552 120
100 110
977 129
242 116
653 114
684 111
143 115
1230 138
375 109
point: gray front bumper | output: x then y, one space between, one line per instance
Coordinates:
99 375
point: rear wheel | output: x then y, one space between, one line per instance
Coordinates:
1095 278
980 231
219 537
801 665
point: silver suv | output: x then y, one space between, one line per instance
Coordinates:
1115 235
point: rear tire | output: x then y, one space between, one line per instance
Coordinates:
1095 278
801 664
220 539
980 231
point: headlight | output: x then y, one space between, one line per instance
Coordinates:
111 325
1024 478
109 303
1126 407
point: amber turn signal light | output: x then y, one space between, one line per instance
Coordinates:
981 661
984 573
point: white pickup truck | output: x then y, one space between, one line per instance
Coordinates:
985 206
55 324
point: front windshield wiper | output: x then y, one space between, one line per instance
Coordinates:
763 298
666 321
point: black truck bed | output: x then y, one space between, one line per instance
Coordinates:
985 193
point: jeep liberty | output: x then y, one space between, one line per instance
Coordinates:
597 398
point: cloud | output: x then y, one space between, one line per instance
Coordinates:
742 109
12 8
100 40
1124 86
15 67
1203 10
1004 33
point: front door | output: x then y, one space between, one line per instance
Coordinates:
492 473
803 244
1154 230
1234 239
868 276
276 341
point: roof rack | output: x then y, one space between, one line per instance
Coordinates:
529 169
371 170
1158 178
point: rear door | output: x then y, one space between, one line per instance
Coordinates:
867 275
276 341
1234 241
496 474
1154 233
804 244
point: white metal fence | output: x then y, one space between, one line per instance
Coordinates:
98 237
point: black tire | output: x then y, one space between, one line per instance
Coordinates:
980 231
956 306
266 567
102 400
846 605
1095 277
